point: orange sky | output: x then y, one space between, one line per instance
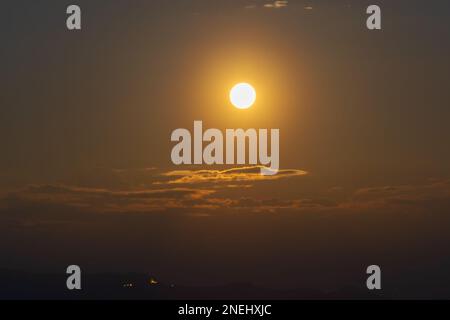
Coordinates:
85 130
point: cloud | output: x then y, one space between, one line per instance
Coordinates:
244 174
103 200
147 178
276 4
205 192
142 190
434 194
274 204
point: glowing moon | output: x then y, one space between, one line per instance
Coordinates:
242 95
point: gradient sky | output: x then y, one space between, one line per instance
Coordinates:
86 118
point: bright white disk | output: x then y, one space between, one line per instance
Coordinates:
242 96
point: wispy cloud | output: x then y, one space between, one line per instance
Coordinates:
244 174
207 191
277 4
431 195
103 200
274 205
145 190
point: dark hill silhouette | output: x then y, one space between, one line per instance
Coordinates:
23 285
